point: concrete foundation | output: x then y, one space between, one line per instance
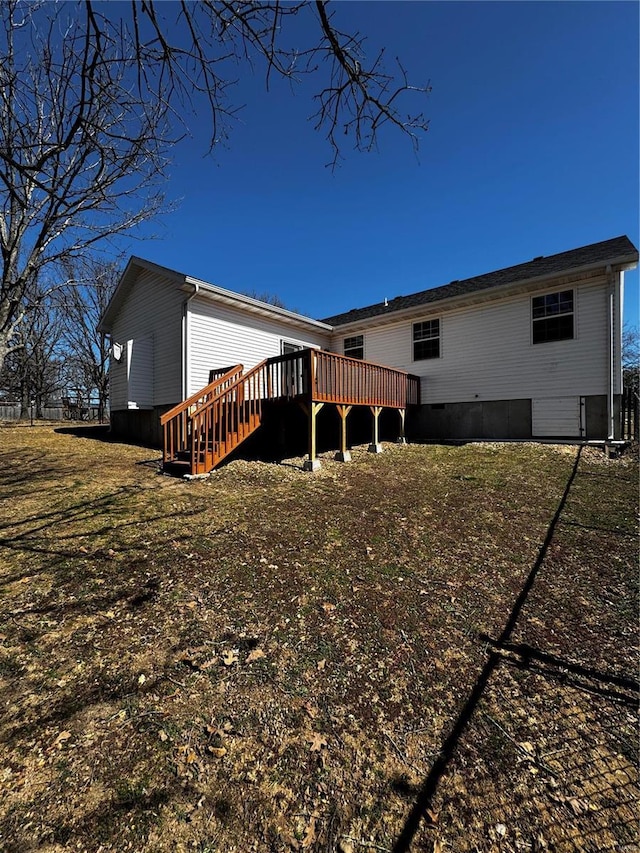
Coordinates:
139 426
496 419
343 456
596 417
284 431
311 465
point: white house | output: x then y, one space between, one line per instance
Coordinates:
530 351
169 330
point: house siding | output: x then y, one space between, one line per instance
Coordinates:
486 353
150 319
220 336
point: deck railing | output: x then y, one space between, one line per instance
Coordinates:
219 372
354 382
213 422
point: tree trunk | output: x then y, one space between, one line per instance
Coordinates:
25 402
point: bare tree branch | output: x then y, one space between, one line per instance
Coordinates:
92 96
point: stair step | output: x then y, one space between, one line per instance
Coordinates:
177 468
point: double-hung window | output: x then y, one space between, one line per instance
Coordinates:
426 340
552 317
354 346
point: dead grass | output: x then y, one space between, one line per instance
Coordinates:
272 661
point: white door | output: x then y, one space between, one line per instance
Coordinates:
556 417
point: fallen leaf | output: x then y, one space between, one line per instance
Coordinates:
230 657
142 678
328 607
316 741
310 836
431 816
163 735
218 751
62 737
190 757
219 731
311 711
256 654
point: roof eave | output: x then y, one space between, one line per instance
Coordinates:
126 279
240 301
621 263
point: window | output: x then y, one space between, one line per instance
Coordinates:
287 347
552 317
426 340
354 346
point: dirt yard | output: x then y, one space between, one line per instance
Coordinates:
434 649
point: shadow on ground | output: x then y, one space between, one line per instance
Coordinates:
591 773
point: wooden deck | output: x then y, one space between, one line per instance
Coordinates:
205 428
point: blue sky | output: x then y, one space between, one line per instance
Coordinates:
532 149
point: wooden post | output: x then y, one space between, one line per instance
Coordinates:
375 446
343 454
402 439
312 463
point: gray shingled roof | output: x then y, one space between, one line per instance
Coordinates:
617 249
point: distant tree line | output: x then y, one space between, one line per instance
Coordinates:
57 350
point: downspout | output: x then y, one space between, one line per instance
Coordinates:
185 339
611 331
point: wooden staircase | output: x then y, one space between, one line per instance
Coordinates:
204 429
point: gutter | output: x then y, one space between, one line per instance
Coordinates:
240 301
185 336
611 353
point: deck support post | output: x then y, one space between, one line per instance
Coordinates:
375 446
343 455
312 409
402 439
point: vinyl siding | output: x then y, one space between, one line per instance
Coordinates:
220 336
151 311
486 351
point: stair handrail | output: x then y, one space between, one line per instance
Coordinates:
176 423
207 391
204 422
230 387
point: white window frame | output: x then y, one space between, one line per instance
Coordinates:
573 314
437 337
360 346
